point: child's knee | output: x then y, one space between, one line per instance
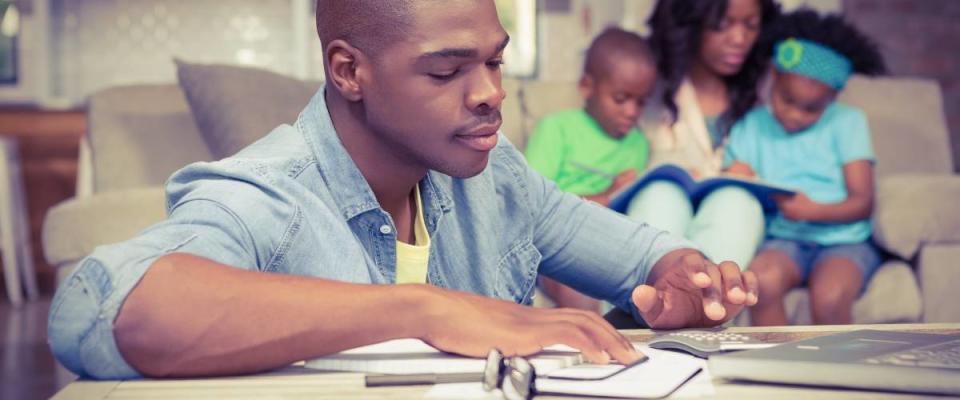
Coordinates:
829 294
771 274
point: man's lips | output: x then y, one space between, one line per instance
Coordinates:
483 138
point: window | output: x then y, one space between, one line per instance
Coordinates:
9 33
519 18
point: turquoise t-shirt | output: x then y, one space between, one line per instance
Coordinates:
571 149
810 161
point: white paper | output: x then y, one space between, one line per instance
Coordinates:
659 376
413 356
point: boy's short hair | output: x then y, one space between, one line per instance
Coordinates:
615 42
832 31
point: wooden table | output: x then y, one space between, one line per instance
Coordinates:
297 382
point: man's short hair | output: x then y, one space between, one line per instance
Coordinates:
612 43
369 25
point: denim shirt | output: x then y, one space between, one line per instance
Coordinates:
295 203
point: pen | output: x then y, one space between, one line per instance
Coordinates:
421 379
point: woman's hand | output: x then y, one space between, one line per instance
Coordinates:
740 168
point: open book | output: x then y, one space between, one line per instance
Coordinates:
697 189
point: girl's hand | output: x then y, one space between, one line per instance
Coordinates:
797 207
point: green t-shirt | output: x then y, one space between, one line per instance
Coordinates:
571 149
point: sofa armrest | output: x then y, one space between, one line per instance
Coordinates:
73 228
939 275
913 210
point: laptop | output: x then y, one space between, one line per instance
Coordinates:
863 359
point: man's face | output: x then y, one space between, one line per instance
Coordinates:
435 95
617 98
798 101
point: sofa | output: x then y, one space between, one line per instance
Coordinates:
138 135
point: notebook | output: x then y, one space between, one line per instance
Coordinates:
413 356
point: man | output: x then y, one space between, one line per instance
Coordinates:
398 154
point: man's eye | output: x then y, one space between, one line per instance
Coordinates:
495 63
444 76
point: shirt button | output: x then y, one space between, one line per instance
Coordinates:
385 229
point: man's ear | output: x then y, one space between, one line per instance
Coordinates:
586 86
343 61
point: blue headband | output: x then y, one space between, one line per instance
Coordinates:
813 60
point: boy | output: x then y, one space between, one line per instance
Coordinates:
582 150
596 150
806 140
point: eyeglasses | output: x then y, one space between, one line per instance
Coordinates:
514 376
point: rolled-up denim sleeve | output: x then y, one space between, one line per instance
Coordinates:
82 313
589 247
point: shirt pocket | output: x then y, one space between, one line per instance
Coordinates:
517 272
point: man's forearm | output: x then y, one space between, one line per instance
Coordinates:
190 316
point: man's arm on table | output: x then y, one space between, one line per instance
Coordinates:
190 316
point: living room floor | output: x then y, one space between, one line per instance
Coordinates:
28 370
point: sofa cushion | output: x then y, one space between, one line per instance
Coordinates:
907 123
914 210
73 228
939 273
139 135
234 106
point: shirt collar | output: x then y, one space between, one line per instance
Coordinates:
349 188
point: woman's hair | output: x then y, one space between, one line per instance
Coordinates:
676 28
831 31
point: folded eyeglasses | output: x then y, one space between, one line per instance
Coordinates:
514 376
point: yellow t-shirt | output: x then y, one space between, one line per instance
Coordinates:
412 260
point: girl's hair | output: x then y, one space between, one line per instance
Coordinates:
676 28
832 31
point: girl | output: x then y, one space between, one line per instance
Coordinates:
821 148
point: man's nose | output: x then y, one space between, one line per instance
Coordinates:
485 90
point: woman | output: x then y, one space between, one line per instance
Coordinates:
709 63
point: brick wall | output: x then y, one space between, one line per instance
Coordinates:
918 38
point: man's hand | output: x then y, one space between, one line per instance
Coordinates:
471 325
740 168
797 207
687 290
